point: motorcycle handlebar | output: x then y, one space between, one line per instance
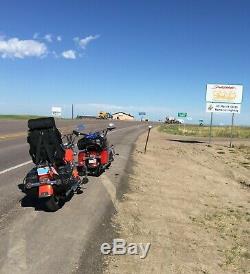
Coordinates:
77 133
70 138
104 132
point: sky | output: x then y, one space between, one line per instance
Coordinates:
132 56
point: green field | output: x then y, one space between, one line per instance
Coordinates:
203 131
18 117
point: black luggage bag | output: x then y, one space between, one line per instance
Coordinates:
45 141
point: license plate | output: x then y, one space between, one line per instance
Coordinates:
45 191
42 170
92 161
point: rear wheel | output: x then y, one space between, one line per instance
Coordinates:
99 170
52 203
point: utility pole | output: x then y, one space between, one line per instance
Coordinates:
72 112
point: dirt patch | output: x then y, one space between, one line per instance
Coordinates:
190 203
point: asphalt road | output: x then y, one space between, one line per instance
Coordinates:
34 241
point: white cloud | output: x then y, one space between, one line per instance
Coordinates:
69 54
48 38
85 41
59 38
15 48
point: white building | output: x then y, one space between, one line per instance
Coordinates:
123 116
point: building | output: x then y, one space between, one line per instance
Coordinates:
85 117
123 116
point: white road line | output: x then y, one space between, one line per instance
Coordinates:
15 167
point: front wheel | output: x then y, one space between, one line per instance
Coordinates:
52 203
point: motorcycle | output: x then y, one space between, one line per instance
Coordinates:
95 155
54 177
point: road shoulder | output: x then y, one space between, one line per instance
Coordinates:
115 181
191 202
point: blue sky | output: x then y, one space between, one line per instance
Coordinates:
153 56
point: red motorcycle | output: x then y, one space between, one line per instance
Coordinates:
55 175
95 155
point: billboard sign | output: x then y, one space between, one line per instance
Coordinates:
223 107
142 113
231 94
182 114
56 111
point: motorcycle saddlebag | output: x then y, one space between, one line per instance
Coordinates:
104 157
32 176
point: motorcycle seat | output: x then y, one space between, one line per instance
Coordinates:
92 140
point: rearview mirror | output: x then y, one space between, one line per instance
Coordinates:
76 132
80 127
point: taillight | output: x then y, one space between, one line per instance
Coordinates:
43 179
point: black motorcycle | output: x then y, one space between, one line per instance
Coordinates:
95 154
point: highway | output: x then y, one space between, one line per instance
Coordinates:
67 241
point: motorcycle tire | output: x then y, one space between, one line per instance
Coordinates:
98 171
52 203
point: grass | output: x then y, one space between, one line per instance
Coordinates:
231 225
18 117
203 131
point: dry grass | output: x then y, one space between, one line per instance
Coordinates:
203 131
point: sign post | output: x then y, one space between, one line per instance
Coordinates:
142 114
223 99
231 137
210 127
149 129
